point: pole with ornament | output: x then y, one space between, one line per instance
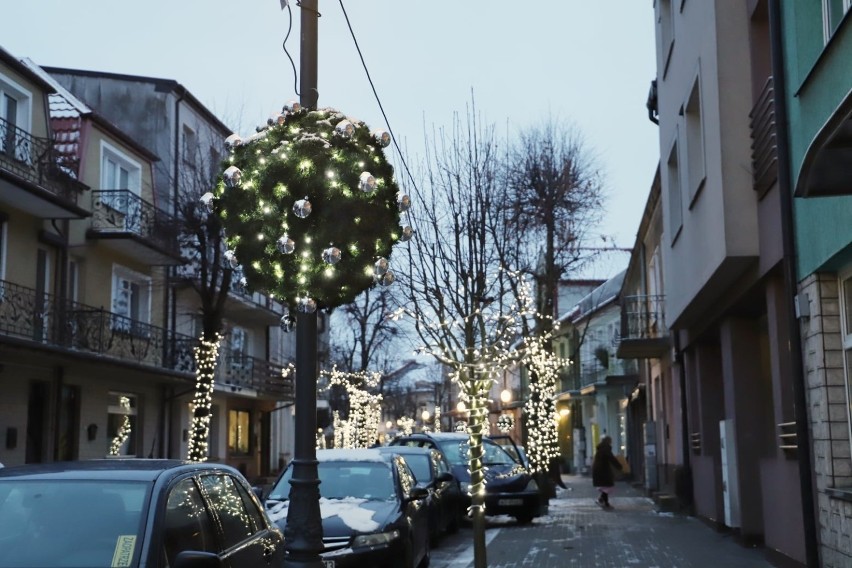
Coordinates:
311 212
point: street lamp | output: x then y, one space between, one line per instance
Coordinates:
388 425
461 406
506 396
425 416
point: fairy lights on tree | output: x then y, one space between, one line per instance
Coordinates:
123 430
361 428
206 355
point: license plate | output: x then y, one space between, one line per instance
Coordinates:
328 564
510 502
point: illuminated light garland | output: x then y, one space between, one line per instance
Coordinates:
206 355
406 425
505 423
328 190
362 428
438 425
123 431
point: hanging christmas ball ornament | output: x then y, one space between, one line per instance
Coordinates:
403 202
275 119
304 188
387 278
381 266
383 137
285 244
233 176
207 201
307 305
302 208
367 182
292 106
331 255
232 141
461 426
231 257
407 233
345 128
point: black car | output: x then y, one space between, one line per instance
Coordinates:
432 471
372 512
509 486
133 512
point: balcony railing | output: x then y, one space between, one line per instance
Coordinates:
764 149
643 327
594 372
28 315
238 371
121 211
32 159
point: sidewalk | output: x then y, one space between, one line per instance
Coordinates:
577 532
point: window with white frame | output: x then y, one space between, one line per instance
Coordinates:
833 12
131 300
674 191
695 170
846 331
189 146
15 105
665 33
118 170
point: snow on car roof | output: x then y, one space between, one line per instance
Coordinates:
352 454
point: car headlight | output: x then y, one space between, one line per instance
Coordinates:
375 539
532 485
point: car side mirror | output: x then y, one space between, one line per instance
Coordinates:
198 559
444 477
418 493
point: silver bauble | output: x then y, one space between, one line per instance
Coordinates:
232 141
380 267
307 305
207 201
233 176
387 278
285 244
292 106
367 182
345 128
302 208
286 321
276 119
383 137
403 202
407 233
231 257
331 255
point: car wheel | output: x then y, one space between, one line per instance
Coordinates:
524 518
407 560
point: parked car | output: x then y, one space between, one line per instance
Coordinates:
516 451
373 514
133 512
432 471
509 486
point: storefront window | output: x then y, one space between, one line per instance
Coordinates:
239 430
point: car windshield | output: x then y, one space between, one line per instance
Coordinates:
458 453
341 480
45 523
419 465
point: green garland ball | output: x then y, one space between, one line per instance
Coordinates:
310 205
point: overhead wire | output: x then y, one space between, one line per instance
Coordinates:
284 45
376 94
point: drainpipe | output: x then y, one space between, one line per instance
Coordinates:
791 286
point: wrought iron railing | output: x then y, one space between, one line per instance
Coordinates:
643 317
239 371
32 158
42 318
764 148
594 371
122 211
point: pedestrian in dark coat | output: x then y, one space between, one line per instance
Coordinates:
603 471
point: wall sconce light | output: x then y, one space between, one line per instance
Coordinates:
91 432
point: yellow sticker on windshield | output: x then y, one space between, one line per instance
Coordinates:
123 554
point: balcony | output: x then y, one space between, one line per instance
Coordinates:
764 149
242 374
42 321
616 372
32 180
130 225
643 328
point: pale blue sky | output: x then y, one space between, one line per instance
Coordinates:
586 62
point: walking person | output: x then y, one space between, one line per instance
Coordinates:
604 466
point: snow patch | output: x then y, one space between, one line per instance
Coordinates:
350 512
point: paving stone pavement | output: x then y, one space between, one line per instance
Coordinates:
576 532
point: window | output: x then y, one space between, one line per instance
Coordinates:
119 171
846 330
228 505
187 523
122 432
73 279
833 12
14 117
694 141
239 431
674 192
131 300
189 146
665 21
3 240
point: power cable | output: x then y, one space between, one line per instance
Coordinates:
376 95
284 45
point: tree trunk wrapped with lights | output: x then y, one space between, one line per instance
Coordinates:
206 356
